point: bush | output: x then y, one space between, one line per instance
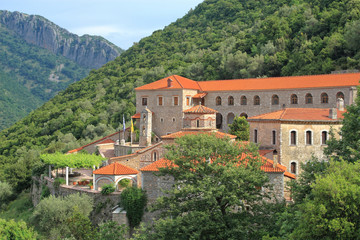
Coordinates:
51 214
45 191
124 183
16 230
111 231
107 189
133 200
58 182
5 193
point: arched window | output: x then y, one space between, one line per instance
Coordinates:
340 95
324 98
293 137
219 119
308 98
255 135
218 101
256 100
293 167
243 100
244 115
230 118
294 99
275 100
308 137
154 156
273 137
324 136
231 101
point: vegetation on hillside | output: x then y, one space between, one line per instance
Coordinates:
219 39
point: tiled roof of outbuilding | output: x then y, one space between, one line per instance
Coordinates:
183 133
200 109
115 169
302 114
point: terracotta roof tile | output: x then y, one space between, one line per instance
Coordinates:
116 169
200 95
178 82
154 167
200 109
136 116
304 114
183 133
293 82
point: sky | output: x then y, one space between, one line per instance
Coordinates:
122 22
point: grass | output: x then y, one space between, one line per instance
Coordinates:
19 209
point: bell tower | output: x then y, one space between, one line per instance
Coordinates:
145 128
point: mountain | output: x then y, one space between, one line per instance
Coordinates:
219 39
33 68
87 51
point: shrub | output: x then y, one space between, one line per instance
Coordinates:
16 230
133 200
111 231
107 189
45 191
5 192
124 182
58 182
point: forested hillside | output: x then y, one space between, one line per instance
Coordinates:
220 39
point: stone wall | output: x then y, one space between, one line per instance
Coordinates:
277 182
103 204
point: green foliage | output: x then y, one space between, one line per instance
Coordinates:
19 209
79 160
124 182
106 189
215 191
111 231
240 128
45 191
5 193
347 147
333 213
80 226
133 200
9 229
58 182
51 214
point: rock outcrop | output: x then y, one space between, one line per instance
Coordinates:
88 51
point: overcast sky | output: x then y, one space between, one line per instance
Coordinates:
122 22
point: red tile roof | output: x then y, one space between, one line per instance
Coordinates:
183 133
268 166
136 116
99 140
292 82
178 82
154 167
200 109
116 169
200 95
300 114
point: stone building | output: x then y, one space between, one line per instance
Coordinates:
296 134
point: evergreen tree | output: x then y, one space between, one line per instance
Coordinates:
240 128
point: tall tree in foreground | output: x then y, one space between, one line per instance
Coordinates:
217 184
347 147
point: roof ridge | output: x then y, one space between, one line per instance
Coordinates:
177 81
283 113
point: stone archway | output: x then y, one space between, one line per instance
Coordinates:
219 120
230 118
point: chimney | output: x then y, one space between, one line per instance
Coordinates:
340 104
275 158
169 83
333 113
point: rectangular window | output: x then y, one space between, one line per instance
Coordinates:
188 101
273 137
255 136
160 101
323 137
144 101
308 138
176 101
293 138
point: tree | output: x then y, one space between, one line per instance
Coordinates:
240 128
80 226
16 230
133 200
217 183
5 193
347 147
111 231
334 211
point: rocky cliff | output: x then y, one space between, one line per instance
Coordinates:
88 51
